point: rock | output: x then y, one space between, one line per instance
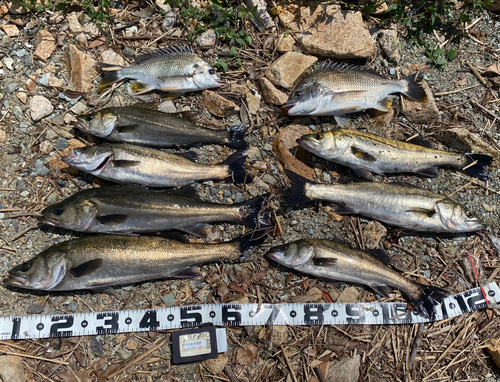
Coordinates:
493 349
167 107
218 105
81 40
81 67
11 369
163 5
61 144
373 232
96 346
421 112
389 42
40 169
345 370
131 345
290 68
315 294
35 309
12 87
40 107
21 53
328 31
207 39
55 82
349 294
262 19
109 56
8 61
285 43
45 44
216 365
169 299
129 32
74 25
22 96
91 29
464 141
252 100
79 108
3 136
278 334
11 30
272 94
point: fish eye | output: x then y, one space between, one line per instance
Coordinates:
469 214
211 71
26 267
298 93
283 247
89 117
317 136
59 211
84 148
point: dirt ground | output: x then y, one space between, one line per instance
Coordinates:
30 179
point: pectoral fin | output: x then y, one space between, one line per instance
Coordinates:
363 155
422 212
341 120
198 230
363 173
86 268
188 273
382 290
112 220
430 172
126 129
125 163
324 262
385 104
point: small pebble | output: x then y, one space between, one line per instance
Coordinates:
61 144
169 299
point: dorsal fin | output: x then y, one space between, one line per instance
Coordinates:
146 106
420 141
332 65
168 50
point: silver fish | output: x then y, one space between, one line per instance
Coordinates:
339 89
401 206
125 163
335 261
176 70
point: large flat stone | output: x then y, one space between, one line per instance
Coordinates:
45 44
81 68
290 68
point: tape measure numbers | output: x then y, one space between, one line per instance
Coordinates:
86 324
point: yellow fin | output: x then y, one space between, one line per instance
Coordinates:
139 87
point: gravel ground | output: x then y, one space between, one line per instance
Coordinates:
28 183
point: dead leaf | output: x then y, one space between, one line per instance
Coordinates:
75 376
97 42
73 93
493 69
327 297
247 354
146 12
223 292
238 289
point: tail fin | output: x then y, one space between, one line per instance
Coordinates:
250 240
298 195
250 211
236 137
476 164
111 74
237 170
427 298
413 87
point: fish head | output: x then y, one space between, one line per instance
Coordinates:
328 143
100 123
456 218
73 213
42 272
305 99
90 159
205 76
293 255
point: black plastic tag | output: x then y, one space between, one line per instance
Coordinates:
194 345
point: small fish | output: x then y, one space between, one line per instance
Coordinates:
335 261
176 70
366 153
129 210
411 208
124 163
142 124
340 89
100 262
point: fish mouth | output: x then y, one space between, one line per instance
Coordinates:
49 221
302 143
15 280
289 105
79 125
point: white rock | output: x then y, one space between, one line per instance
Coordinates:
74 25
167 107
40 107
109 56
79 108
252 100
11 369
163 4
262 19
207 39
389 41
8 61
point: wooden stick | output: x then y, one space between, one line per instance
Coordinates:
476 73
457 91
35 357
288 364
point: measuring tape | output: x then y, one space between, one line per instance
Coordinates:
87 324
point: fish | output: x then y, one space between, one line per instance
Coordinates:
98 263
366 153
134 210
333 260
176 70
411 208
340 89
144 125
124 163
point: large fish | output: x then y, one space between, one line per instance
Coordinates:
335 261
124 163
100 262
128 210
176 70
366 153
144 125
339 89
411 208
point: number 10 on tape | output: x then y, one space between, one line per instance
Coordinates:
83 324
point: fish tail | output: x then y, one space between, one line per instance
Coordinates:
298 195
236 137
426 298
111 74
250 240
475 165
237 170
251 211
413 87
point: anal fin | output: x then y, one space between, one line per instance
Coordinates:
430 172
139 88
188 273
385 104
198 230
362 172
382 290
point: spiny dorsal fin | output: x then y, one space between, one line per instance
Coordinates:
168 50
329 65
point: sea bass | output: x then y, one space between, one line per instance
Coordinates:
411 208
144 125
128 210
100 262
366 153
335 261
176 70
124 163
339 89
